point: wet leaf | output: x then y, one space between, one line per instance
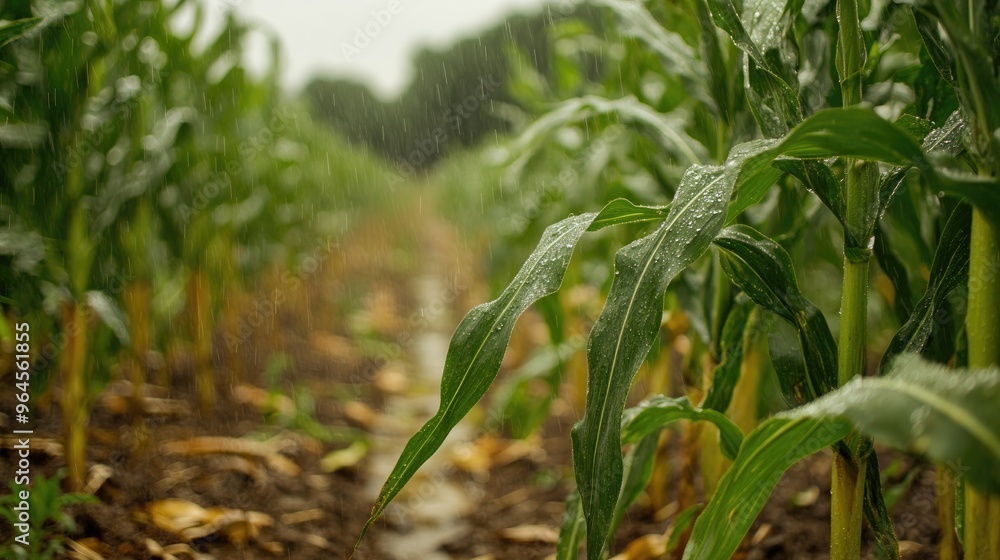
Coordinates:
764 271
939 54
896 272
622 211
480 341
726 374
668 130
949 270
572 530
682 521
950 416
832 133
678 57
655 413
624 333
817 177
946 140
774 103
638 472
877 512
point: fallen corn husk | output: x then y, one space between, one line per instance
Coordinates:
190 521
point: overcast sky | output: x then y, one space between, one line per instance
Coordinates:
328 36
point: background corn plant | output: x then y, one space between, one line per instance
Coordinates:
133 195
743 135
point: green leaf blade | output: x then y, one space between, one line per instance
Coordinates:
949 270
767 453
764 271
572 529
14 30
478 346
480 340
655 413
726 374
625 331
622 211
952 417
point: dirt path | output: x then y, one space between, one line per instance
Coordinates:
432 509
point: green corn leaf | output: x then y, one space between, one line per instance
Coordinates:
785 351
479 343
763 270
946 140
680 526
572 530
977 78
668 130
656 412
13 30
983 193
952 417
917 127
767 452
876 511
718 71
622 211
477 348
624 333
726 374
832 133
939 54
638 472
949 270
774 103
818 179
896 273
678 57
728 19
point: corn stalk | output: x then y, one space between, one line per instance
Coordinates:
982 511
200 299
848 477
74 392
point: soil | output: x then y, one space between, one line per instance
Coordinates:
317 515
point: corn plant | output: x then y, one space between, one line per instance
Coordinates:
858 150
134 191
